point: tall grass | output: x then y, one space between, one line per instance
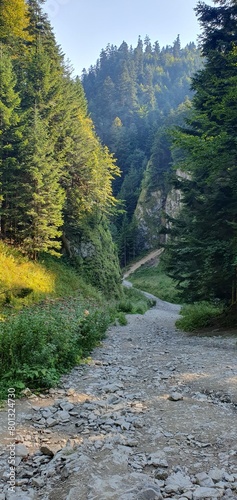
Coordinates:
134 302
155 281
198 315
24 283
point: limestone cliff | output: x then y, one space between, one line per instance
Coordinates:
150 215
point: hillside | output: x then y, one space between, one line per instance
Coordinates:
56 176
134 95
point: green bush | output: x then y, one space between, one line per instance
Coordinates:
122 319
134 302
38 344
198 315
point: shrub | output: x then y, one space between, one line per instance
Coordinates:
38 344
198 315
134 302
122 319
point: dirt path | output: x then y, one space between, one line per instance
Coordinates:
147 258
152 416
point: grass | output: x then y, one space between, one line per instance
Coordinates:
198 315
134 302
155 281
25 283
50 319
194 316
40 343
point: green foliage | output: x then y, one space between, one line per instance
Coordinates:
14 20
41 342
54 320
23 282
202 248
121 318
98 262
37 345
134 302
133 93
155 281
68 281
198 315
39 220
54 172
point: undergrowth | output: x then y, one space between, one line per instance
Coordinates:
198 315
134 302
40 343
55 323
155 281
24 283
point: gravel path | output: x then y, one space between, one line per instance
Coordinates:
148 258
152 416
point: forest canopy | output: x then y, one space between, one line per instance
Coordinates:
54 171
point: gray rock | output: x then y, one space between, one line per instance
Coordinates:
209 493
46 413
19 495
175 396
157 459
49 451
51 422
38 482
62 415
178 483
204 480
74 494
64 473
112 387
65 405
21 450
216 474
229 477
188 495
39 460
27 473
150 494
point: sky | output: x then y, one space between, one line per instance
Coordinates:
84 27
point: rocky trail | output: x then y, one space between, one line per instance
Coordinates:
152 416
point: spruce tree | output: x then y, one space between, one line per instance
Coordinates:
40 212
203 244
10 137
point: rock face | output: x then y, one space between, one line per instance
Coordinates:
150 214
152 416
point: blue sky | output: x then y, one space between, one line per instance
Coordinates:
84 27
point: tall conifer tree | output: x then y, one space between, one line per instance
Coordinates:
203 248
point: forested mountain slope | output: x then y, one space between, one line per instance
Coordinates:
133 95
55 174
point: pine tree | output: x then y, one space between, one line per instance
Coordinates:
203 249
10 136
40 211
